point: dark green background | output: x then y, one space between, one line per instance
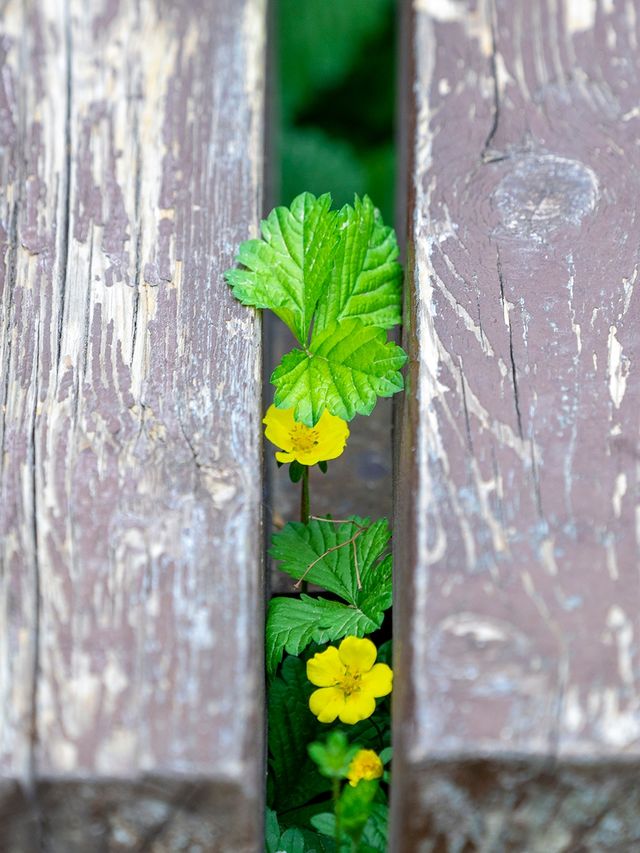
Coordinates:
336 92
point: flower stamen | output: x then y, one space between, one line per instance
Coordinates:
303 439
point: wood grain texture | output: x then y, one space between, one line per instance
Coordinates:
131 591
517 534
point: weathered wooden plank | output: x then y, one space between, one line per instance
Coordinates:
132 580
516 533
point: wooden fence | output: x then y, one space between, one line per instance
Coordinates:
131 573
517 706
132 587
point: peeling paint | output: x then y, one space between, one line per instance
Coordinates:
580 15
618 366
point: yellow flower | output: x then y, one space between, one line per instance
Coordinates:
365 765
349 679
308 445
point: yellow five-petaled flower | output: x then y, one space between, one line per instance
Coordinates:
349 679
366 764
307 445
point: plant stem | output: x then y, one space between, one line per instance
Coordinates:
304 496
305 510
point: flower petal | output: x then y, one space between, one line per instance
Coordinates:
278 424
366 765
333 434
283 457
326 703
358 706
324 669
308 457
359 654
378 681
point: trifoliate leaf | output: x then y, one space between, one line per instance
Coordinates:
330 548
366 278
292 727
287 270
345 369
294 623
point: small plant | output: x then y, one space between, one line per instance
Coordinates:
333 277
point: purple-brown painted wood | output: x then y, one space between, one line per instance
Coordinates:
131 584
517 526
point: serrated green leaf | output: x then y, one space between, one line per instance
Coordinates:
345 369
296 780
327 545
287 270
366 279
294 623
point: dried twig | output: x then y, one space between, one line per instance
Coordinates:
355 560
352 541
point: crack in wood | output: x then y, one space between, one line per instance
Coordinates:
507 316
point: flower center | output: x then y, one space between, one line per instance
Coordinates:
349 683
303 438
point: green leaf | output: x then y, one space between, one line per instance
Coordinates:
386 754
366 278
271 831
292 727
327 545
295 471
287 270
334 756
376 829
294 623
325 823
345 369
292 841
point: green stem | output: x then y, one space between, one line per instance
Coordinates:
305 510
336 796
304 496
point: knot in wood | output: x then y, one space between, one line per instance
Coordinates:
543 193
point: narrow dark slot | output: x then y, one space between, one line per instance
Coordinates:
332 115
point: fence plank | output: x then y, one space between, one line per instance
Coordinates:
516 533
132 585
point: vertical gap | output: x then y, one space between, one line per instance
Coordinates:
331 128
